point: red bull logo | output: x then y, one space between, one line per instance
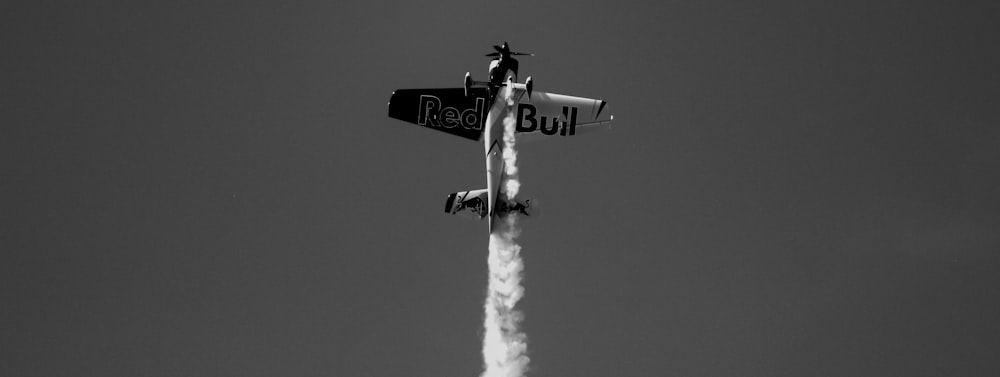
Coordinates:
527 121
432 114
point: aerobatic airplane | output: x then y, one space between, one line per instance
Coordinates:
479 110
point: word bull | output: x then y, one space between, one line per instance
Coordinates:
526 121
450 117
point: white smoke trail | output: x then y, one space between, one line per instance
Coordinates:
504 345
513 183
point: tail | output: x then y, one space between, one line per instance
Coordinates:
473 204
526 207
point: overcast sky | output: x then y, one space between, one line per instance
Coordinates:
790 188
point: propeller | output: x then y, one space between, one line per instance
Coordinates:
505 51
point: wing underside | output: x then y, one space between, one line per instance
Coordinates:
550 114
447 110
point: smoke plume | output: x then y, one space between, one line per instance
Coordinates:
504 345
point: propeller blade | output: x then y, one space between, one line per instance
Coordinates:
498 48
522 53
495 54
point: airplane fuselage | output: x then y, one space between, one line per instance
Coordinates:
493 134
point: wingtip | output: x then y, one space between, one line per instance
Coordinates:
449 202
391 96
601 107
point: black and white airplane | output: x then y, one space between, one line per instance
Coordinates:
479 109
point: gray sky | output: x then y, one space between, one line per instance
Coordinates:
790 188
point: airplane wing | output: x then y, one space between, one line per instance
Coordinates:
549 114
448 110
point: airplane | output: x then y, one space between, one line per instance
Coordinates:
477 111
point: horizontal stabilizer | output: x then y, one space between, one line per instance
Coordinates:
472 204
526 208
